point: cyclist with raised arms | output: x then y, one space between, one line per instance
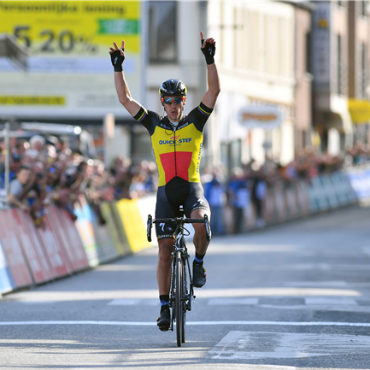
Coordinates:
177 144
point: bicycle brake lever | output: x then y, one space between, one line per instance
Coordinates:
207 227
149 228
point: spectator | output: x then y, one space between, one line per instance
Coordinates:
37 143
239 198
214 192
18 188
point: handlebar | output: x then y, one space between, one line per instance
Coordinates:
179 221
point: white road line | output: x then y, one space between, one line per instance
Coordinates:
190 323
242 345
233 301
134 302
330 301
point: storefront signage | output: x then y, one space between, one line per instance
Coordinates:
260 116
359 111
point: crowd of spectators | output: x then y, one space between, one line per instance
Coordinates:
247 185
44 172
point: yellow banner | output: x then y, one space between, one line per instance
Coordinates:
32 100
68 64
359 111
76 28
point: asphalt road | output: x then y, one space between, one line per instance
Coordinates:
293 296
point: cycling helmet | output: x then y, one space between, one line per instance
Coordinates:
172 88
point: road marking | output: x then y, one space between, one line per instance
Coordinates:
241 345
190 323
329 301
134 302
325 284
41 296
233 301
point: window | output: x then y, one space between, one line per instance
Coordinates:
339 66
363 77
363 8
308 53
162 31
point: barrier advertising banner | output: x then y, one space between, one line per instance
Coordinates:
6 279
13 251
38 265
68 72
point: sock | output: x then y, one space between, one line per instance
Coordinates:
199 258
164 300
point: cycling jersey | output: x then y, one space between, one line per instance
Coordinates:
177 150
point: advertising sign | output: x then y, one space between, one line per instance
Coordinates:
359 111
69 72
321 44
260 116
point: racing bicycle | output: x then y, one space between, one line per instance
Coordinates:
181 290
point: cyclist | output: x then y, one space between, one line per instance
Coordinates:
177 144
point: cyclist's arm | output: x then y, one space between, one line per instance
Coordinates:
117 57
210 97
124 95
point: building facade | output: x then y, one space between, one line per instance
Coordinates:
262 59
340 56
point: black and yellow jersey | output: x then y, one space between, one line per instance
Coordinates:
177 150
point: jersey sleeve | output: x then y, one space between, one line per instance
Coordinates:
147 118
201 114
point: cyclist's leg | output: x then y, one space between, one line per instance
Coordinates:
165 241
164 265
200 236
197 206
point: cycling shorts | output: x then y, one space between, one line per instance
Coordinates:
169 197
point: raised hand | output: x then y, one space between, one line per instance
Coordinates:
117 56
208 48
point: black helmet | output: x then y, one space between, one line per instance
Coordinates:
172 88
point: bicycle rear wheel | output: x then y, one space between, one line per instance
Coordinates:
178 296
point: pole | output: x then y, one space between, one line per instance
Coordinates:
7 159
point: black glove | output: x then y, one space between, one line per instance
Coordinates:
117 60
209 52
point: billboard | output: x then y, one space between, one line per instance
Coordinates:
68 73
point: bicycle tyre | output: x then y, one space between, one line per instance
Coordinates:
178 296
183 294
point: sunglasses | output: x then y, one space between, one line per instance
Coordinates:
170 100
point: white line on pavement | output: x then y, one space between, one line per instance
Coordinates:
195 323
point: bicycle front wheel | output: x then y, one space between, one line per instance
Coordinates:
183 295
178 296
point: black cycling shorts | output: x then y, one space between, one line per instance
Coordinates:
169 197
